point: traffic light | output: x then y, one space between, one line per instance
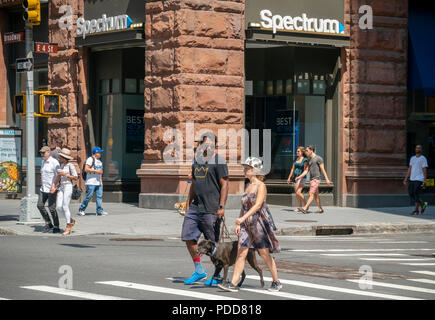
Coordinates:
49 104
33 11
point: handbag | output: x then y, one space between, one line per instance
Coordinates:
76 192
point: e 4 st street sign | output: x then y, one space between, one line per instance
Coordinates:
41 47
24 64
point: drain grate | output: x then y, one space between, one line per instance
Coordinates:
135 239
333 230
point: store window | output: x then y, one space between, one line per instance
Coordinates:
288 96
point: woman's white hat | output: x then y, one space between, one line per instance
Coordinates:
66 153
255 163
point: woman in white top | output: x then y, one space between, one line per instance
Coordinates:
66 174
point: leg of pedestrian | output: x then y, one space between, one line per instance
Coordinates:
89 193
52 208
99 200
42 199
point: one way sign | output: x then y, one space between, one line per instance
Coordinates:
24 64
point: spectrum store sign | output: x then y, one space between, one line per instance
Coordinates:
103 24
301 23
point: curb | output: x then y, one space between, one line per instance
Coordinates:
7 232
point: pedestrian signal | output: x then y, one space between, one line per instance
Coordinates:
20 104
49 104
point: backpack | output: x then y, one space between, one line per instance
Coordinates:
84 173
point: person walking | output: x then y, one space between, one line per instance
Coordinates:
315 167
417 175
65 177
205 205
48 191
254 227
94 182
298 167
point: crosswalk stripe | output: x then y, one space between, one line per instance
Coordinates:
394 286
361 254
186 293
419 264
337 289
423 280
429 273
278 294
396 259
283 294
354 250
3 298
72 293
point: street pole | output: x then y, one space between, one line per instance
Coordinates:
28 205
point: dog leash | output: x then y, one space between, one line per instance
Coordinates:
224 232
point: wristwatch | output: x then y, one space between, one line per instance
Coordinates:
221 207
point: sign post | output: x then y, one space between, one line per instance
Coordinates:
28 209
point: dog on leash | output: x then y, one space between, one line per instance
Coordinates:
181 207
224 256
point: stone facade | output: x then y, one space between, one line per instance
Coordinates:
3 70
194 68
374 101
67 77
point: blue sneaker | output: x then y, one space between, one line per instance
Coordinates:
212 282
195 277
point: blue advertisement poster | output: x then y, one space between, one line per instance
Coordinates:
287 131
135 131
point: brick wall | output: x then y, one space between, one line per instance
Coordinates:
67 77
194 68
3 69
374 99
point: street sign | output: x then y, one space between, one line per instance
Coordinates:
42 47
13 37
24 64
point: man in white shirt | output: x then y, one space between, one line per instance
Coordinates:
94 182
48 191
417 174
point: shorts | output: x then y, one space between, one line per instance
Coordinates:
314 186
196 223
414 190
299 182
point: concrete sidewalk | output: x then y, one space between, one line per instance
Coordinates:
129 220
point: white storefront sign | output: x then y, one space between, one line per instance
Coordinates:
85 27
299 23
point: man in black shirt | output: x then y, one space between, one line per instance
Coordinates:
205 204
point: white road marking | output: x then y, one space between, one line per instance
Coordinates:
395 242
186 293
396 259
283 294
423 280
72 293
278 294
354 250
3 298
337 289
429 273
419 264
395 286
361 254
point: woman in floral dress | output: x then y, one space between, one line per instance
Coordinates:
255 227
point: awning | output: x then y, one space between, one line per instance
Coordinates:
122 38
297 38
421 50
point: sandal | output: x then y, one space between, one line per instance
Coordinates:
414 212
302 210
73 223
67 229
319 211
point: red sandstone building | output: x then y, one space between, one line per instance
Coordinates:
304 69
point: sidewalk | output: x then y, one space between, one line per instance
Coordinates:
129 220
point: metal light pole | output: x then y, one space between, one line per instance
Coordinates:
28 209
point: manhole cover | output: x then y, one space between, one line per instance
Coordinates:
135 239
300 220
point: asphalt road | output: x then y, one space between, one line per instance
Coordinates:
403 267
